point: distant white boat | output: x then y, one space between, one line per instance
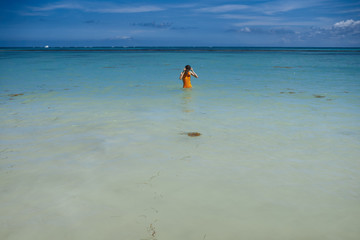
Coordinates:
47 46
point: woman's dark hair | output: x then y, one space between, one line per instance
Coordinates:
188 68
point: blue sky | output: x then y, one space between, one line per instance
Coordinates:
297 23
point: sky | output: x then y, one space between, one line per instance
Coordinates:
256 23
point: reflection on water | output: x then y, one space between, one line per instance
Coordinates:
186 98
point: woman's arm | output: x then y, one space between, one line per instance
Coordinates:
193 73
181 75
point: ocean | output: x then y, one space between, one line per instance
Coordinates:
95 144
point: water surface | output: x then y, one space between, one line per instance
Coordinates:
94 145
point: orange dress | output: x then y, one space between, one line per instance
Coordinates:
186 80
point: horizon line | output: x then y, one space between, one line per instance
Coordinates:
181 49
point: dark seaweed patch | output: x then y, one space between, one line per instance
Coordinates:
193 134
283 67
16 94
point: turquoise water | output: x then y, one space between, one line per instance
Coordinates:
94 145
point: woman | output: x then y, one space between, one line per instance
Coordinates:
186 76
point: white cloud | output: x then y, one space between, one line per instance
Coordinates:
347 24
343 31
279 6
137 9
30 13
264 21
224 8
281 32
123 38
56 6
266 7
238 16
353 10
153 24
99 7
245 29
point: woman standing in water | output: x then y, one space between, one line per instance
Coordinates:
186 76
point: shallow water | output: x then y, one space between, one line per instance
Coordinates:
96 147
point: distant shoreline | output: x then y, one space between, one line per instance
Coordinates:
178 49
